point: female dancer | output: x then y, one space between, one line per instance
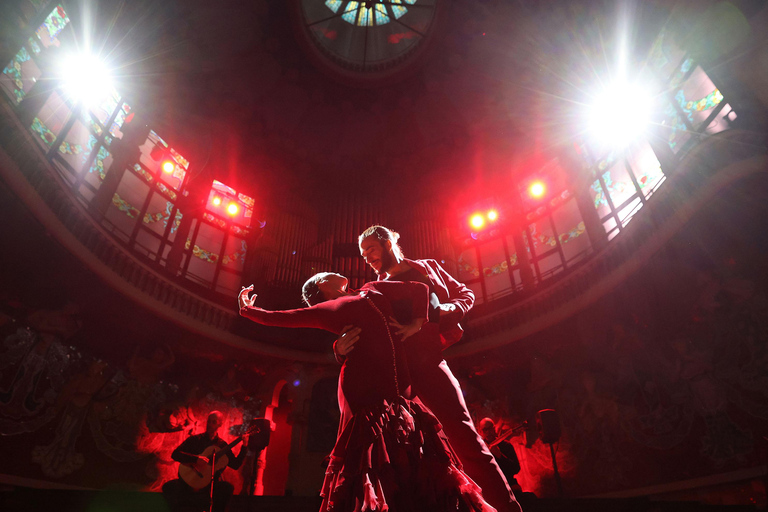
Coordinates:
391 452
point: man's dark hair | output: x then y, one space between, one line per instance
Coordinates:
383 234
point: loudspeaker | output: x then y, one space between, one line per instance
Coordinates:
548 425
260 435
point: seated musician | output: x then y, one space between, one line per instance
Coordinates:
502 451
192 490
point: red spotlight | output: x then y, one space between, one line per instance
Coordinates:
492 215
168 166
232 209
476 221
537 189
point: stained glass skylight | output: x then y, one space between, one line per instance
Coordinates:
368 36
368 14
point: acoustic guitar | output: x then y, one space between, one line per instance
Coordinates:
200 480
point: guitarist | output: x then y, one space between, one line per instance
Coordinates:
502 451
178 493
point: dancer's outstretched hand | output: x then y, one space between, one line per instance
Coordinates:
243 299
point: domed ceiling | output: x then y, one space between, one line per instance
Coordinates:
275 96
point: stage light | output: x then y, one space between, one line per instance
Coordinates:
619 115
476 221
85 79
216 201
168 166
492 215
537 189
232 209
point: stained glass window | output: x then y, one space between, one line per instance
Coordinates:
666 58
469 273
467 264
52 26
100 166
50 120
124 115
234 253
571 231
104 109
646 168
206 251
496 269
618 184
697 96
77 146
159 213
127 203
694 101
542 236
19 76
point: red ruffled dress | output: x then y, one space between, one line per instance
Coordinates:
391 453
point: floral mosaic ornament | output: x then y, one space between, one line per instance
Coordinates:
124 206
499 268
46 135
98 163
237 255
209 257
13 72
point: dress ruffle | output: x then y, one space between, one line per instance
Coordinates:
395 457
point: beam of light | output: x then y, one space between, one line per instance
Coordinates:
168 166
86 79
476 221
537 189
216 201
232 209
492 215
619 115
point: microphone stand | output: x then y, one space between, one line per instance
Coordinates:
213 476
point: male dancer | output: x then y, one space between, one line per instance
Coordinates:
432 379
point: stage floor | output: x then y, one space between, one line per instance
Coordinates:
44 500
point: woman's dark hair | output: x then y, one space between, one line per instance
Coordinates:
310 292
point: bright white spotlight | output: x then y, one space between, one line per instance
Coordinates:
620 114
537 189
86 79
477 221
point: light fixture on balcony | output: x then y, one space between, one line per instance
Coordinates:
537 189
86 79
619 114
477 221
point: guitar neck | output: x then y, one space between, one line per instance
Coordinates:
232 444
